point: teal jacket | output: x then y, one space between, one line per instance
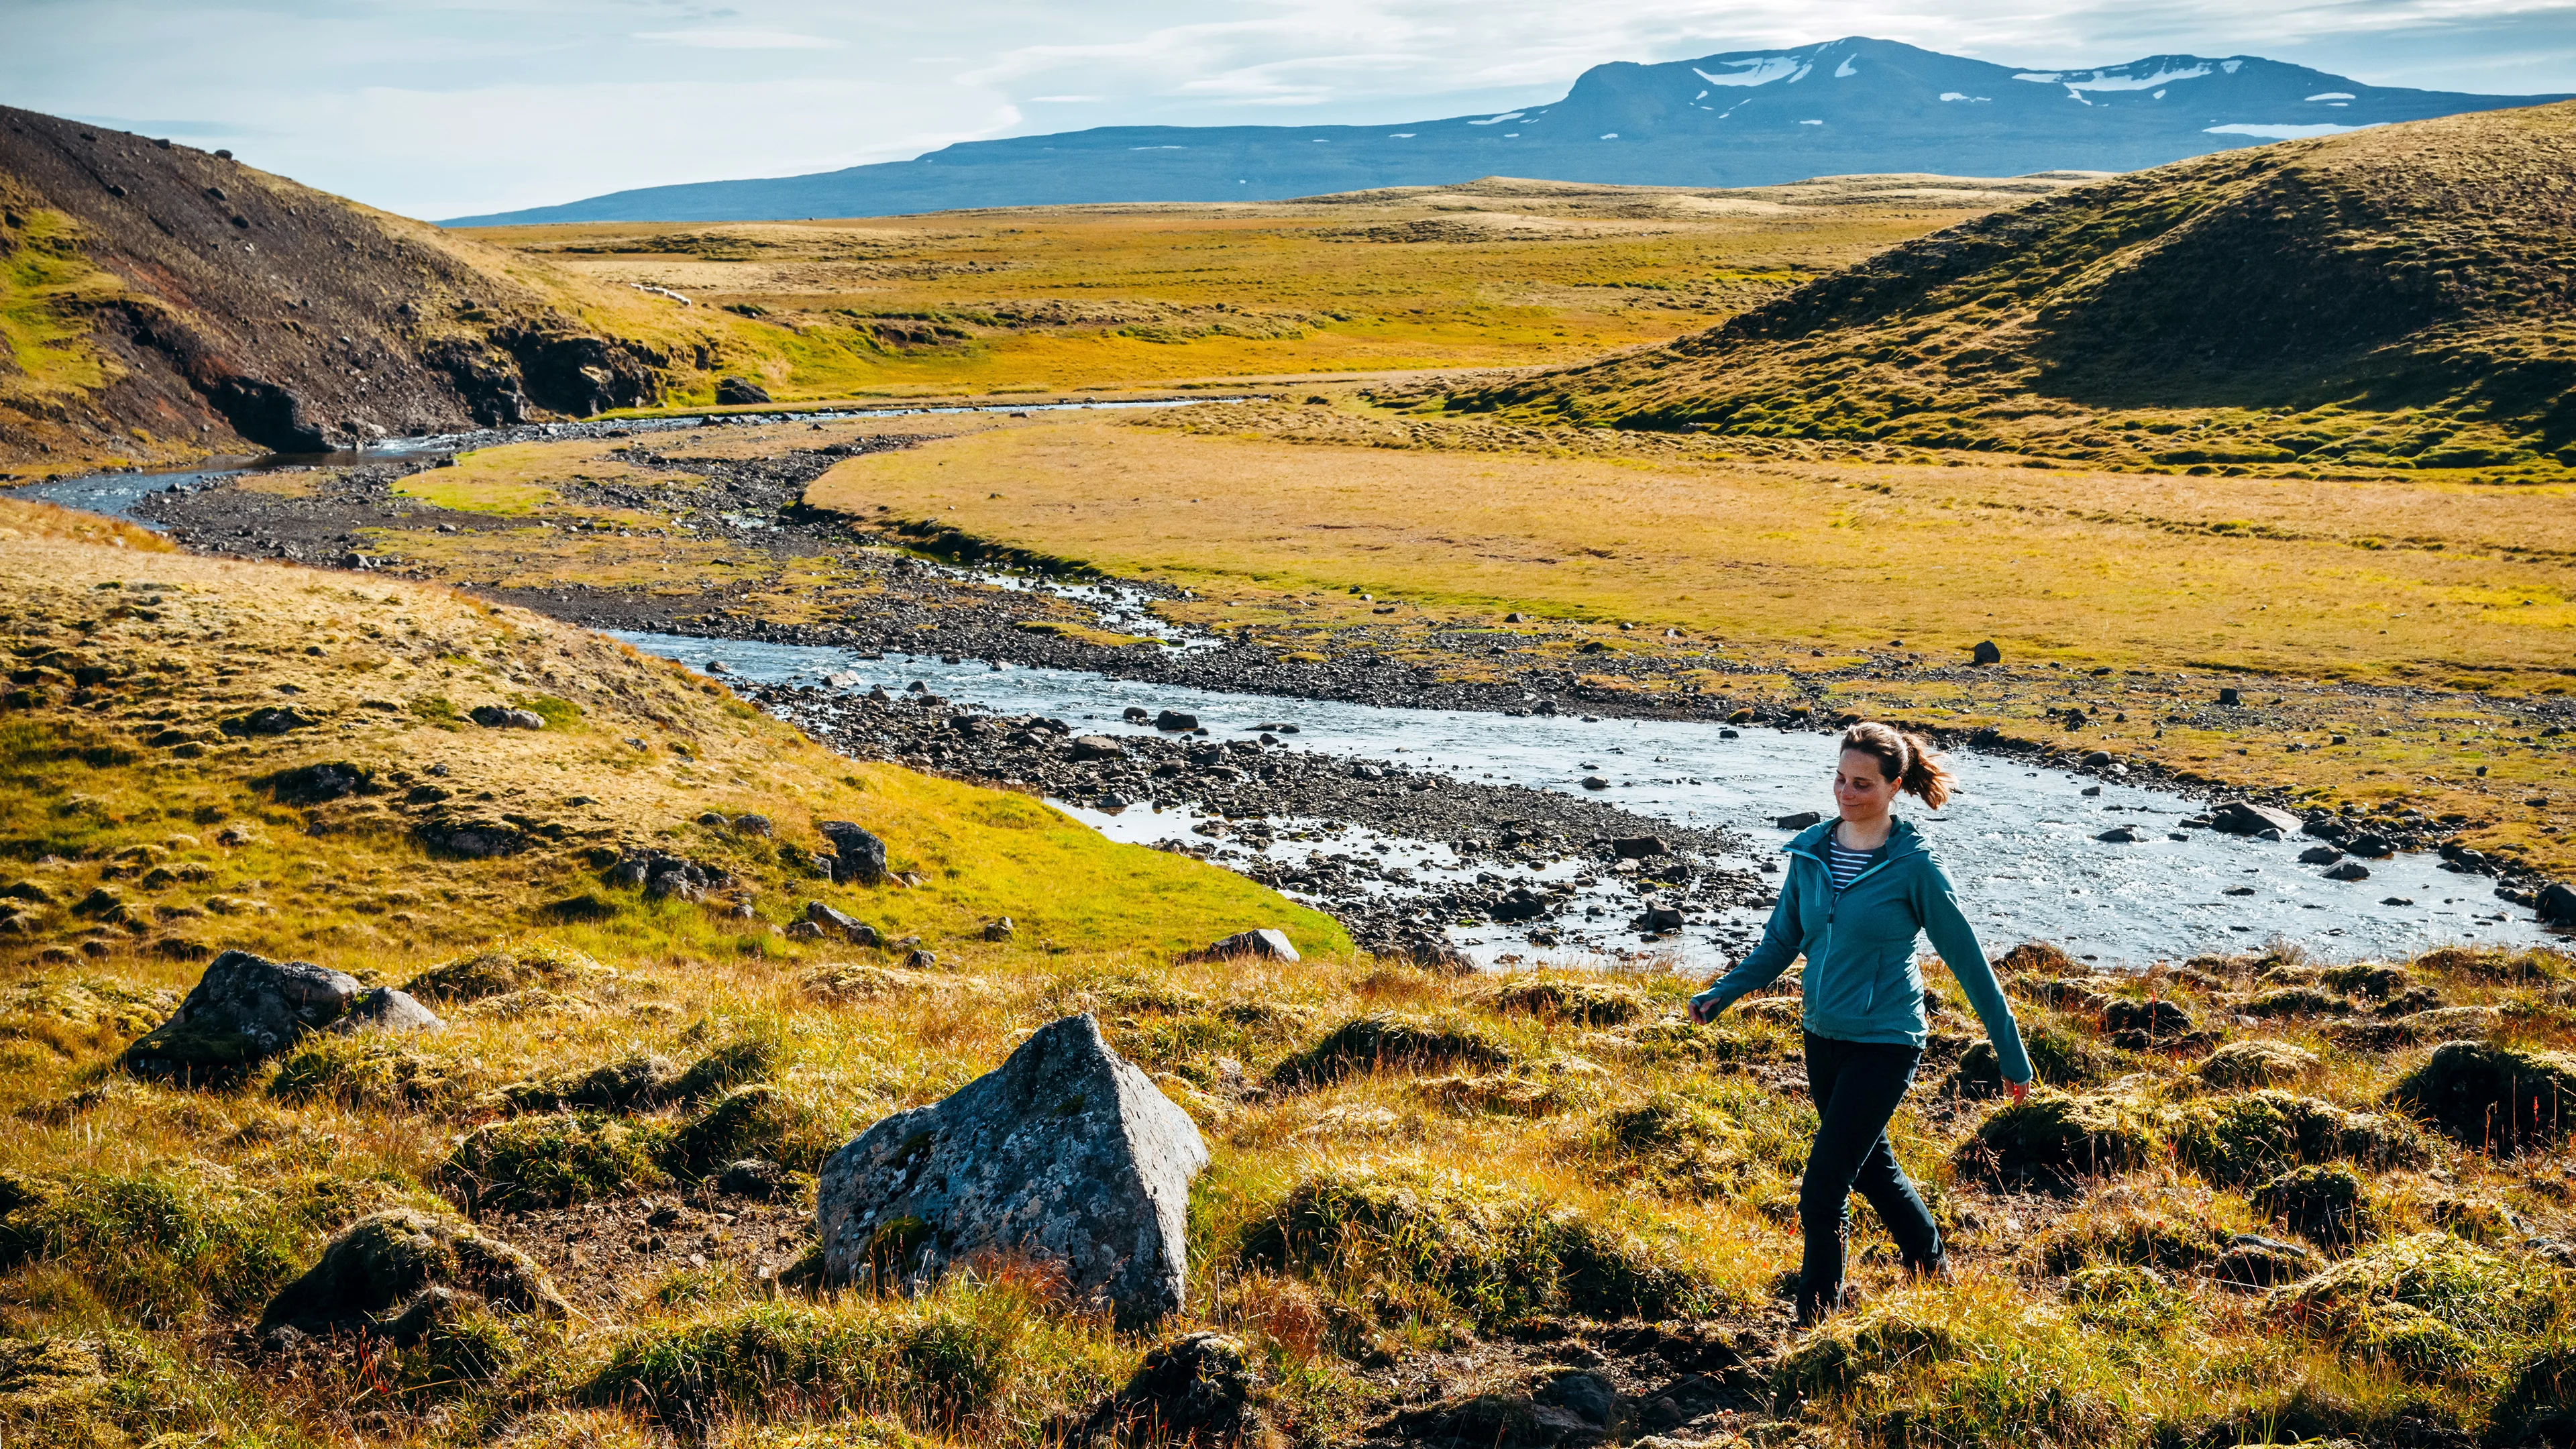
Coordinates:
1861 980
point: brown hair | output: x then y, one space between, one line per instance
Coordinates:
1903 757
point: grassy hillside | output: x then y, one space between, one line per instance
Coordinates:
2393 299
1495 273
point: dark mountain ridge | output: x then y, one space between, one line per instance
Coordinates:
1743 118
162 302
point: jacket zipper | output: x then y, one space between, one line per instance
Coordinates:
1835 898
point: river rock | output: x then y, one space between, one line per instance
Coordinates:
1799 821
243 1011
1098 747
2349 870
2556 904
2119 835
1173 719
1265 943
861 856
1066 1152
738 392
1639 847
2320 855
2243 817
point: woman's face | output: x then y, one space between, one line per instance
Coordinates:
1861 790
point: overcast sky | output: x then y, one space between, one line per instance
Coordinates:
448 107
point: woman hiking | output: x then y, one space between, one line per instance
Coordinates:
1860 889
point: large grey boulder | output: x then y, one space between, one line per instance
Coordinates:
861 856
247 1008
1065 1152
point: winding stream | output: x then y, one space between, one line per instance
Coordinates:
2019 842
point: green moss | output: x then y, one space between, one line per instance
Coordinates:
552 1161
2134 1237
754 1121
1592 1002
370 1071
510 966
1389 1043
2428 1303
157 1244
2260 1134
1840 1354
1449 1247
2324 1204
2052 1140
2495 1097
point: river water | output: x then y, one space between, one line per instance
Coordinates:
2018 842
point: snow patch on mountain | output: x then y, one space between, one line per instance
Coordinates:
1759 70
2279 133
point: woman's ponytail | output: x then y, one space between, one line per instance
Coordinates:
1904 757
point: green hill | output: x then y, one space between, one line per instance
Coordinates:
2396 298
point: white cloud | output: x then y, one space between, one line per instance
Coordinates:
1071 100
740 39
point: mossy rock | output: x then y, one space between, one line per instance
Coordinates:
48 1381
2242 1139
2287 1001
1388 1043
1838 1356
2255 1063
2053 1140
2134 1237
370 1071
755 1121
552 1161
2502 965
2375 980
1678 1143
2057 1059
2494 1097
2381 1299
1485 1252
514 966
386 1259
1592 1002
2324 1204
642 1082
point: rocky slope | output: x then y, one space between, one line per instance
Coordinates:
160 302
2397 298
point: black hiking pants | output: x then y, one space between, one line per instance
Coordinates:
1856 1087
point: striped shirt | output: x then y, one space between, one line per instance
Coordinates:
1844 865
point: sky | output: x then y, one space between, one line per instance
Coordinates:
438 108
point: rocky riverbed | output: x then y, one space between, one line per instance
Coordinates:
1562 870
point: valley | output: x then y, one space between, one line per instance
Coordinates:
1376 731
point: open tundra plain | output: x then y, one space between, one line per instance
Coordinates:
2251 473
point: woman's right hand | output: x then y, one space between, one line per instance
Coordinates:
2020 1092
1703 1010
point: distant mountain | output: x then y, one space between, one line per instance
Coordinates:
1745 118
2397 299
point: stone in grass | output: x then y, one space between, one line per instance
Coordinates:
501 717
394 1260
2052 1141
1265 944
1066 1152
738 392
2252 1262
2323 1203
246 1009
859 856
1196 1389
2492 1096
